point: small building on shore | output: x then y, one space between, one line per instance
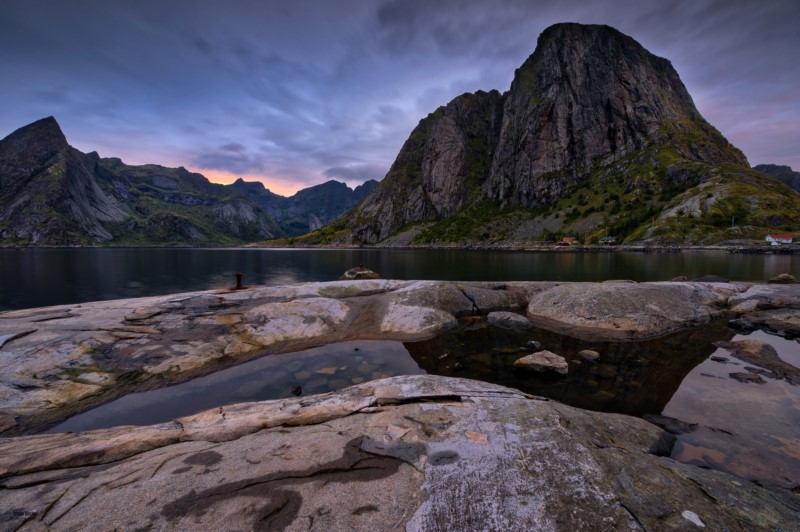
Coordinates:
607 240
776 239
569 240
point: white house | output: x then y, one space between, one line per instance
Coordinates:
777 239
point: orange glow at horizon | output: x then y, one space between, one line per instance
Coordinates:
226 178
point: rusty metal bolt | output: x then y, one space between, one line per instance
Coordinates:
239 276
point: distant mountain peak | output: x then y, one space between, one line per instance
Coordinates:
42 135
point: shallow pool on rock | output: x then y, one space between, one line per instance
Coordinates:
752 430
317 370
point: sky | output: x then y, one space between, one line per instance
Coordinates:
296 93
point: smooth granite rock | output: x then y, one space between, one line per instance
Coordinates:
588 354
626 311
765 297
414 453
543 361
508 320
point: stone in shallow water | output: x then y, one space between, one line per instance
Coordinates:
588 354
357 273
543 361
783 278
509 320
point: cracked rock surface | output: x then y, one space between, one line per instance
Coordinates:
59 361
414 452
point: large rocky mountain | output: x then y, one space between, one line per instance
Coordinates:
784 174
310 208
595 136
53 194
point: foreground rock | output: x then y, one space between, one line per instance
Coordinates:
421 453
782 322
59 361
543 361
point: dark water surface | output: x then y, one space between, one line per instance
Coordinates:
752 430
41 277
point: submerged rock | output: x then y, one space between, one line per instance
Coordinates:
509 320
543 361
415 452
588 354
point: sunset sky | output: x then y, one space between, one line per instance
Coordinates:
296 93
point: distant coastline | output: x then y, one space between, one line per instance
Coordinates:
792 249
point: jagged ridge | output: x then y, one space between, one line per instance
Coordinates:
52 194
595 135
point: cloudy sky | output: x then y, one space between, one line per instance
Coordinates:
296 93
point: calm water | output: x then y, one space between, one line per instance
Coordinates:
672 375
40 277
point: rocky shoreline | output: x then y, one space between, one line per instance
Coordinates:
57 361
791 249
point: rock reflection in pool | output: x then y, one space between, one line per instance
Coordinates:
317 370
635 378
750 430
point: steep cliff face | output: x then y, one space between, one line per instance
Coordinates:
589 96
52 194
596 135
40 174
439 169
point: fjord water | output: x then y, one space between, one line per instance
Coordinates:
52 276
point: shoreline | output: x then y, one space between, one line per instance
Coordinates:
791 249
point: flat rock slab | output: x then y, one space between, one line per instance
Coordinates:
418 452
766 297
624 311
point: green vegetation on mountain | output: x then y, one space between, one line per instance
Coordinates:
596 137
53 195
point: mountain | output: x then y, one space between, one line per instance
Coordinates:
784 174
310 208
53 194
595 136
